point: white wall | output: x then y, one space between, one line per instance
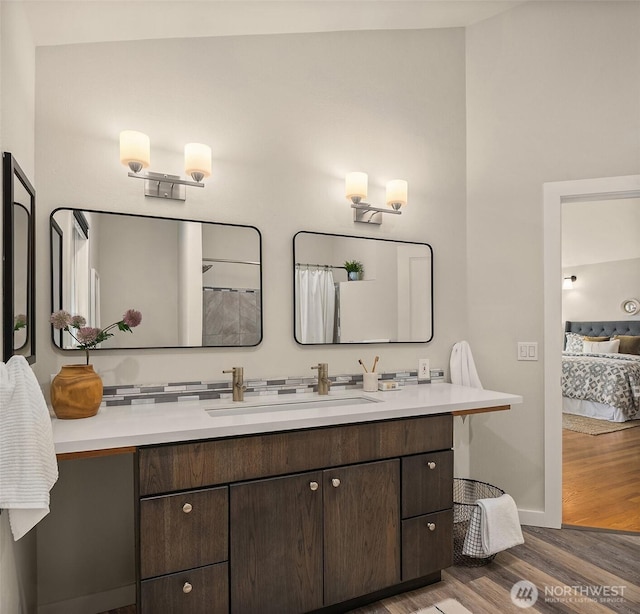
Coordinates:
17 87
552 94
287 116
600 231
600 289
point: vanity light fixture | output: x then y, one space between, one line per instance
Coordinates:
135 153
356 192
567 282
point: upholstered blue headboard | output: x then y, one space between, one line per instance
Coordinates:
604 329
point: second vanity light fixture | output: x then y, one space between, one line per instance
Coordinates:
356 191
135 153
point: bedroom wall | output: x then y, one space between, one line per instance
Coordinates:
549 98
287 116
17 99
600 247
599 290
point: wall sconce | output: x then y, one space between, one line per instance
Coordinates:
135 153
356 191
567 282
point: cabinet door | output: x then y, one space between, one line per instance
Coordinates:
427 544
276 545
362 529
183 531
427 483
199 591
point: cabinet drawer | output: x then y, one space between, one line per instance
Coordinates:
427 544
183 531
427 483
198 591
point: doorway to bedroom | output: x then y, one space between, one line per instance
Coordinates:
600 363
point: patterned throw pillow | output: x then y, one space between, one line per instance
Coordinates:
574 342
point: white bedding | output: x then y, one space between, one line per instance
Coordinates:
592 409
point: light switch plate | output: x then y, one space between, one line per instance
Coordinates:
527 350
424 371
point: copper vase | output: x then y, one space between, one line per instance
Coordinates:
76 392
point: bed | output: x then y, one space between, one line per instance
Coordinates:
602 385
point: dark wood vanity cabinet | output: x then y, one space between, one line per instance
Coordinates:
361 529
276 544
296 521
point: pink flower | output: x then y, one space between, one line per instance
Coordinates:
87 335
60 319
132 318
78 321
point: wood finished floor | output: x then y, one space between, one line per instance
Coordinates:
601 479
549 558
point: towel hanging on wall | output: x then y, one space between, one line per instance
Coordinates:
462 368
28 466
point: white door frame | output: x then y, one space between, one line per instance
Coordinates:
556 193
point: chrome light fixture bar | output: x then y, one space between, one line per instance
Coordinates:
161 185
135 153
356 190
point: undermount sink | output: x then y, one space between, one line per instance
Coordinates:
257 406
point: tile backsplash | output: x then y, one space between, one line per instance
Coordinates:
221 389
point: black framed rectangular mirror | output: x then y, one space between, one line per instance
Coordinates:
196 283
18 259
389 301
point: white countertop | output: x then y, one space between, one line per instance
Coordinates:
137 425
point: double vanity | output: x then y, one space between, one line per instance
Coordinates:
292 503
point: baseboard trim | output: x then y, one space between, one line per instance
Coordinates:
96 602
537 518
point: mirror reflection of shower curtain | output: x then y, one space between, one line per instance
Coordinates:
315 305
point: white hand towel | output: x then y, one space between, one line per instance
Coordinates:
28 466
462 367
499 524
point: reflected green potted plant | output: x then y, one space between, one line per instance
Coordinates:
76 392
355 270
20 321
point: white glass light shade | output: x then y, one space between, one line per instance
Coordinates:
356 186
197 160
397 193
135 150
567 282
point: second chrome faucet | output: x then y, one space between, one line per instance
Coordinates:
324 383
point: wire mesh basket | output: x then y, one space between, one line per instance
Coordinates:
465 494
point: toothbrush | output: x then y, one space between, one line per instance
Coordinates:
375 362
365 368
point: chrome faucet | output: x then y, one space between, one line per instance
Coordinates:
324 382
238 386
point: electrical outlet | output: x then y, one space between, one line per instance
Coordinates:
423 369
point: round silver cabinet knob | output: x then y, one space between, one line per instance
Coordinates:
431 465
187 588
431 526
335 482
313 485
187 507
